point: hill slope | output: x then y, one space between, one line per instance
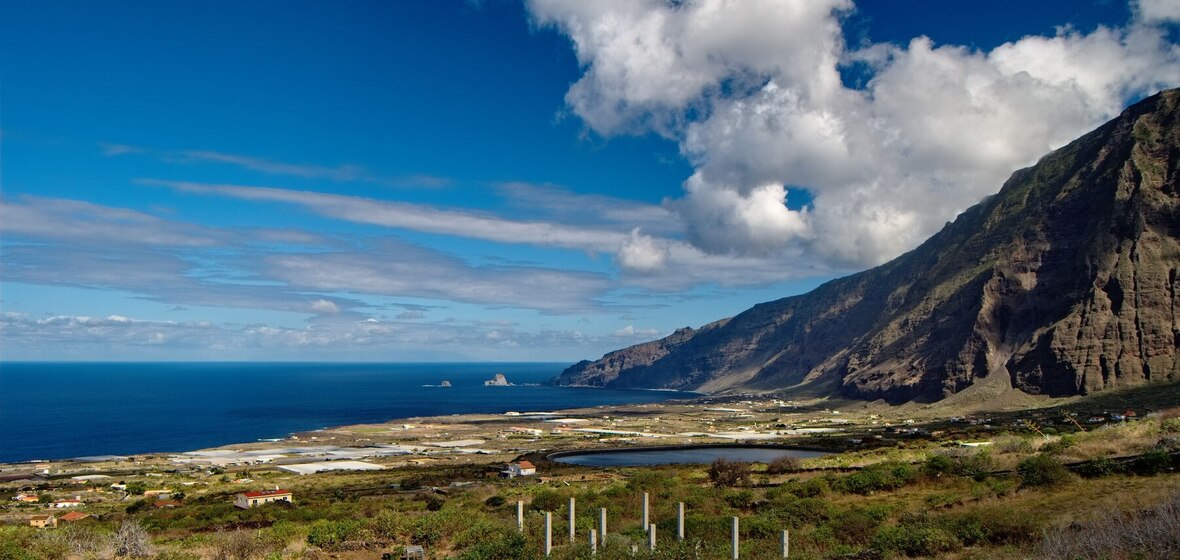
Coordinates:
1065 282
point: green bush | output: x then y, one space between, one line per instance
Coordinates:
1152 463
1042 470
812 488
915 540
504 546
743 499
548 500
1099 468
855 526
874 478
329 535
938 465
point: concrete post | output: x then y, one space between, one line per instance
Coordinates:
680 521
646 520
572 525
519 516
735 538
593 542
549 533
651 536
602 526
786 543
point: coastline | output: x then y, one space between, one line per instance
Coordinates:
478 438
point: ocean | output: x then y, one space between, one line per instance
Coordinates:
64 410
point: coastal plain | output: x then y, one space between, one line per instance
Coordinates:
416 469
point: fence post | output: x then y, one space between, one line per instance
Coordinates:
735 538
651 536
602 526
646 520
572 526
593 542
786 543
549 533
519 516
680 521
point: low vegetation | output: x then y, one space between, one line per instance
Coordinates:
1105 493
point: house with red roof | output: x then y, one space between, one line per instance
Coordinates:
247 500
74 516
523 468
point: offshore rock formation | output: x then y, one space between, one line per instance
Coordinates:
497 381
1064 283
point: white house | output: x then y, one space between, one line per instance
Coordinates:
523 468
247 500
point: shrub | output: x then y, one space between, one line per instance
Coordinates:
874 478
1099 468
938 465
855 526
331 535
547 500
728 473
800 511
1042 470
505 546
743 499
783 465
812 488
1152 463
915 540
977 465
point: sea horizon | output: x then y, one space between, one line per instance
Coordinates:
54 410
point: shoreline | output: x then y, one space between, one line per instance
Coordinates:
431 439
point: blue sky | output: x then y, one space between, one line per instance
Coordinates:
498 180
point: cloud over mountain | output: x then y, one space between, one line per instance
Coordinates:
753 93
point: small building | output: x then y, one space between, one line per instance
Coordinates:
66 503
247 500
75 516
25 498
43 521
166 504
523 468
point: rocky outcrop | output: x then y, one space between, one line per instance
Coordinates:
1065 282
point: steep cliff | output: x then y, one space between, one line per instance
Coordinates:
1065 282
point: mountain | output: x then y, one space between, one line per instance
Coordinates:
1063 283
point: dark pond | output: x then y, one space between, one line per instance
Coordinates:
681 455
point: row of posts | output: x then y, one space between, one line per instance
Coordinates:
598 536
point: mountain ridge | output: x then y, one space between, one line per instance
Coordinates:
1065 281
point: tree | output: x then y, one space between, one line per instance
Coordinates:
136 488
724 472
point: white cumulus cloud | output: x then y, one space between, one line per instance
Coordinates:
752 92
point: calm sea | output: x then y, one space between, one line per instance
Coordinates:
61 410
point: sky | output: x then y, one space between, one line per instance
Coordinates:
538 180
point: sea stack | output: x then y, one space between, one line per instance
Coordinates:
498 381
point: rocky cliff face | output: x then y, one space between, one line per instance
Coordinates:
1065 282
